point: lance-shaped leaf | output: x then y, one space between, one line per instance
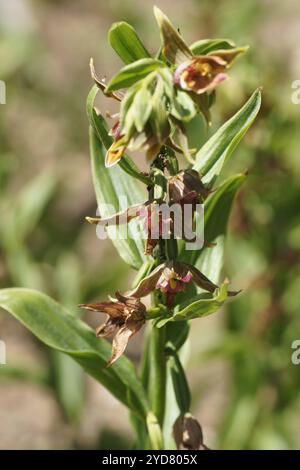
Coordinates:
214 153
124 40
216 214
109 185
132 73
202 306
180 385
58 329
217 211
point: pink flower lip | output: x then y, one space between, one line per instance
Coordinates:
165 284
187 278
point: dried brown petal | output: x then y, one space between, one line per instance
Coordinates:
148 284
107 329
119 218
202 281
121 339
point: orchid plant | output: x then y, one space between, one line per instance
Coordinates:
159 96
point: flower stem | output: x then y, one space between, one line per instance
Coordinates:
157 372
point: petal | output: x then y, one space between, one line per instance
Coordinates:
107 329
215 60
201 280
113 156
229 55
121 339
101 83
148 284
119 218
113 309
138 141
217 80
175 49
152 152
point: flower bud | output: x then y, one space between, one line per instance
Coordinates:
188 433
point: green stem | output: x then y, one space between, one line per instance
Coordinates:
157 373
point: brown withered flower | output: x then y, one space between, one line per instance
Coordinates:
186 187
170 278
125 316
188 434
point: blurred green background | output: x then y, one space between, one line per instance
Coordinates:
245 387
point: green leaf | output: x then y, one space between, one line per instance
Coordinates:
69 384
180 385
109 185
216 214
177 334
132 73
206 46
172 410
58 329
124 40
154 431
183 107
141 108
204 305
217 207
214 153
68 375
159 117
125 106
